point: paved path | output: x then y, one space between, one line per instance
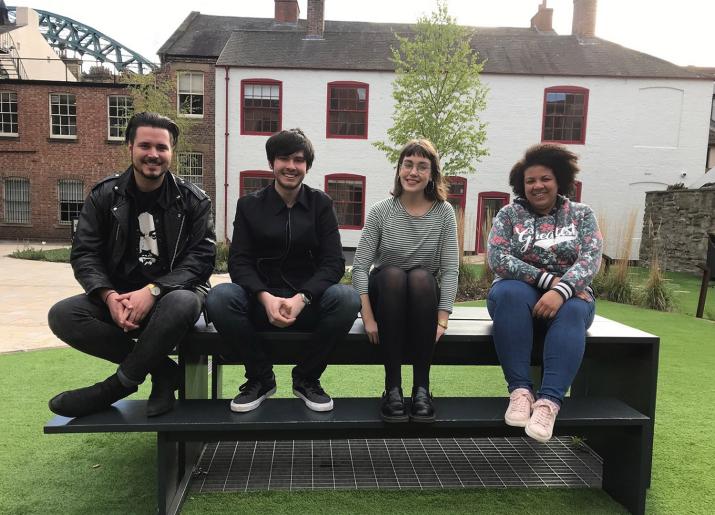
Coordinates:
28 289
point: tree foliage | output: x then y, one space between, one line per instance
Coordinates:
438 94
156 92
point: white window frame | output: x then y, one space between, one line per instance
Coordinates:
9 97
7 202
128 111
187 163
73 116
74 186
190 92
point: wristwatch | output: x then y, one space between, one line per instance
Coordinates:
305 298
443 323
154 289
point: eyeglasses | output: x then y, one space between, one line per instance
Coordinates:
421 168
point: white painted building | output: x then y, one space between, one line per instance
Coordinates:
637 122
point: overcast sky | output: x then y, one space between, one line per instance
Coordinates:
680 31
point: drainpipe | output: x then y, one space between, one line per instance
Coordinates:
225 164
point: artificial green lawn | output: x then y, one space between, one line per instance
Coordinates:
104 473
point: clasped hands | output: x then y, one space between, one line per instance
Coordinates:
129 309
281 311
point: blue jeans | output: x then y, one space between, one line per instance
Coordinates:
238 317
510 304
84 322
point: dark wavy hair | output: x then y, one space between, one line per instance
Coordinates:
285 143
561 161
149 119
423 148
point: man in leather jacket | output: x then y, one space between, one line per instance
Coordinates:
143 253
285 262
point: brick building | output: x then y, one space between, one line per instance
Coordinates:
56 140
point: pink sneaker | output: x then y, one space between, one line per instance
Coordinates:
541 424
519 410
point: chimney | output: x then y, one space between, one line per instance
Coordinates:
287 11
584 18
541 21
316 19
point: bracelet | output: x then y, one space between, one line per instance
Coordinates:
443 323
107 295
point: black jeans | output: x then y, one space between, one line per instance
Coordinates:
405 308
238 316
84 322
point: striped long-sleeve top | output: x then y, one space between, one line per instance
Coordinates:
392 236
536 249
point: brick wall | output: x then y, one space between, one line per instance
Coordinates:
45 161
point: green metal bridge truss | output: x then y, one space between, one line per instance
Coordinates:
64 33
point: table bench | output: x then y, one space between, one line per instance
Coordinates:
611 403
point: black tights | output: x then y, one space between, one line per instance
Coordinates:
405 308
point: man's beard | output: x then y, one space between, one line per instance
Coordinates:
152 162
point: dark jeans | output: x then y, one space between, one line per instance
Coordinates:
84 322
405 308
238 317
510 304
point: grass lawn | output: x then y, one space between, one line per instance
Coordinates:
103 473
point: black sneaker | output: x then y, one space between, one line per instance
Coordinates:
312 394
252 393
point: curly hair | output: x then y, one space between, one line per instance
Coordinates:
423 148
561 161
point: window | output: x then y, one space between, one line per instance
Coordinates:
191 167
457 195
17 200
63 111
260 106
191 94
8 113
71 195
120 109
252 181
348 194
488 205
565 110
347 110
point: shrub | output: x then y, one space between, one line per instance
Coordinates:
656 293
221 266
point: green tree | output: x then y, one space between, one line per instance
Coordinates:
437 92
156 92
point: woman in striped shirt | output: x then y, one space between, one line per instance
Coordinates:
411 240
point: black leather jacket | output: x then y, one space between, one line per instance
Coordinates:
103 229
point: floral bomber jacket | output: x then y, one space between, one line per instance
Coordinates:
537 249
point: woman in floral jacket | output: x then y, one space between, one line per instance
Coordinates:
544 250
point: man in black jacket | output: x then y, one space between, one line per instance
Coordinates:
143 253
285 262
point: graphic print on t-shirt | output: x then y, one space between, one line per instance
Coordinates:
148 246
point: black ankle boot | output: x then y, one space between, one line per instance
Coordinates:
421 409
164 382
393 406
90 399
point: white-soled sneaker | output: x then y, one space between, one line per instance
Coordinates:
519 410
541 424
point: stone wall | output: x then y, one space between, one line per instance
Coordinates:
680 222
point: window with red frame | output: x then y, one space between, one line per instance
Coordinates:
565 110
347 110
457 195
252 181
348 194
260 107
575 194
